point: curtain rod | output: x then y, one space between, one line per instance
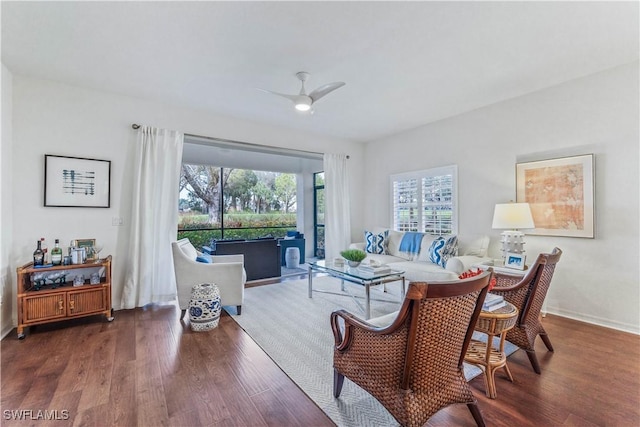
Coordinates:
248 144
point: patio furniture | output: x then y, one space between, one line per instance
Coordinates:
293 240
261 256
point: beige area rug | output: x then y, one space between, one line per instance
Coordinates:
294 330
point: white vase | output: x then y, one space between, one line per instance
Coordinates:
353 263
204 307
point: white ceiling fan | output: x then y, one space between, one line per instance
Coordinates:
304 101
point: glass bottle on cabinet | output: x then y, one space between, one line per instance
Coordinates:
56 254
38 255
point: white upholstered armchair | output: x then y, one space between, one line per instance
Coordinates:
225 271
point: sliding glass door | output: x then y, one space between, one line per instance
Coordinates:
225 203
318 214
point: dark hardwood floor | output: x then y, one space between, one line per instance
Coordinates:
148 369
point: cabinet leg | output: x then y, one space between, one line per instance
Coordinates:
20 333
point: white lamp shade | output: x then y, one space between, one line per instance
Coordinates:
512 216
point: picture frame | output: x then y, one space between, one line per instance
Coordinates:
561 195
76 182
89 244
514 260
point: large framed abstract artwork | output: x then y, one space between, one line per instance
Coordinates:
561 195
76 182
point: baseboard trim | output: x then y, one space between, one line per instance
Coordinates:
594 320
5 331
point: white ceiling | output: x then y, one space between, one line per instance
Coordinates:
405 63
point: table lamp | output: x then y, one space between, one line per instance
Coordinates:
511 217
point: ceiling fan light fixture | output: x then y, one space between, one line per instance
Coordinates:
303 103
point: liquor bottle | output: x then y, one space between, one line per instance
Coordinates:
45 250
56 254
38 255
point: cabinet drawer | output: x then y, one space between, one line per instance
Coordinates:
36 308
87 301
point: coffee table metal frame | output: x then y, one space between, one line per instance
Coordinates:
357 276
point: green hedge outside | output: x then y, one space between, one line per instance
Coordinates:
239 220
265 225
201 238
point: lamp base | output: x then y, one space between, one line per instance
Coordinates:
512 242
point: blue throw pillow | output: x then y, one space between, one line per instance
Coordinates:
203 259
376 243
442 249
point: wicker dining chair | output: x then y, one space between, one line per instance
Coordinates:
527 294
413 366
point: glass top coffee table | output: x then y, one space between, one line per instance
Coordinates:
357 276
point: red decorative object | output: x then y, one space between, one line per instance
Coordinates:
471 272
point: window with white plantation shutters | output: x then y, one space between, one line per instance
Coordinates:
406 213
425 201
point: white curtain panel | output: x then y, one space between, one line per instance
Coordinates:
337 228
154 217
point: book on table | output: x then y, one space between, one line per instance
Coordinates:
379 269
493 302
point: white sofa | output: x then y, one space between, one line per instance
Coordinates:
418 267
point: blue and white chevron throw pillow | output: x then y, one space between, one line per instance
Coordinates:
442 249
376 243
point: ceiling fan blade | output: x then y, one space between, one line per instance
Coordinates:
325 89
284 95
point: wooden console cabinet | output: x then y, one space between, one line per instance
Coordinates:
52 303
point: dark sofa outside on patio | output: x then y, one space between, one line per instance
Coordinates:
261 256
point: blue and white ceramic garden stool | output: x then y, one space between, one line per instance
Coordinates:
204 307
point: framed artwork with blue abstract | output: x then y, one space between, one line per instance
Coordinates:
76 182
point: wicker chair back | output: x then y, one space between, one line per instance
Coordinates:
414 366
528 294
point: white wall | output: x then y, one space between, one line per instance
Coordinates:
596 279
7 298
52 118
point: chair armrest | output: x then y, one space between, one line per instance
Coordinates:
469 261
343 341
204 270
517 291
227 276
